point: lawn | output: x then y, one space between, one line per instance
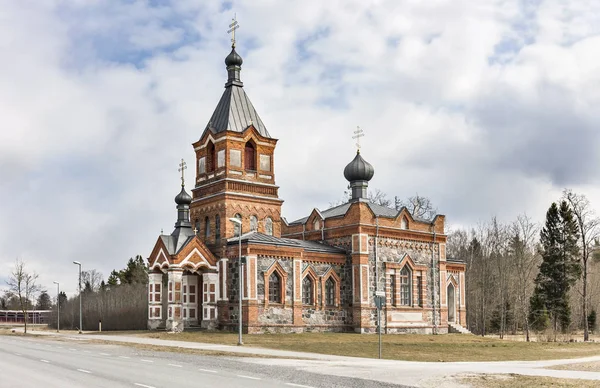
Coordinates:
450 347
518 381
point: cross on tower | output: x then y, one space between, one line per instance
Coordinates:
232 27
182 168
358 133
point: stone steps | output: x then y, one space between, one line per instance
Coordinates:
456 328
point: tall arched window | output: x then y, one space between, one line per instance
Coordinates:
269 226
330 292
316 225
404 223
274 288
249 157
217 227
237 227
211 157
307 290
253 224
206 227
405 286
197 227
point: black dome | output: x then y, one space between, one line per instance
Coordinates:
359 169
183 198
233 59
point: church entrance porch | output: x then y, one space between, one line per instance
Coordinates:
451 303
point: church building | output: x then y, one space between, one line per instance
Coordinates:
318 273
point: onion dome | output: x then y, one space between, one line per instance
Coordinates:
183 198
359 169
233 59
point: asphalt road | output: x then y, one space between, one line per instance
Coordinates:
39 362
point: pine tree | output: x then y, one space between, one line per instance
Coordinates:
43 302
559 270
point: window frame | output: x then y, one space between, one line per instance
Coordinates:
406 288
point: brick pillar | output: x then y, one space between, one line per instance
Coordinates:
462 309
360 283
174 311
155 296
250 300
297 292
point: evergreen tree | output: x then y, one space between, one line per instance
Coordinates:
43 302
559 269
592 320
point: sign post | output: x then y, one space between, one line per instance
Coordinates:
379 302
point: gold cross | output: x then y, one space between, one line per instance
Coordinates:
357 135
182 168
232 27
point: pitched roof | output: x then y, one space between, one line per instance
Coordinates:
235 112
309 246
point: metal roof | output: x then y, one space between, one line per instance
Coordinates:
235 112
309 246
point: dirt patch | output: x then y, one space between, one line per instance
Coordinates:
519 381
583 366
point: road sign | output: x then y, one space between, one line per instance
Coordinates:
379 302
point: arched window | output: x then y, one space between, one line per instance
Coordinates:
237 227
307 290
217 227
404 223
211 157
274 288
253 224
197 227
206 227
269 226
249 157
393 290
330 292
405 286
317 224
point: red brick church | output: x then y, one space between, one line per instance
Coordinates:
318 273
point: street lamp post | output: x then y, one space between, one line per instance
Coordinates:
80 318
238 222
57 306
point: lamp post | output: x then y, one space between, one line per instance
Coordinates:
57 306
80 318
238 222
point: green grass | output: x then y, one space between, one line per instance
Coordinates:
450 347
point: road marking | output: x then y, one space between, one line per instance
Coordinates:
143 385
124 357
298 385
104 354
208 370
17 354
147 360
73 350
87 351
178 366
249 377
84 371
46 361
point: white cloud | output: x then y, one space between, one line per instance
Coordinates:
487 108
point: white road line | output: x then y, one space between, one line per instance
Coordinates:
73 350
208 370
248 377
87 351
46 361
124 357
84 371
178 366
104 354
298 385
17 354
143 385
146 360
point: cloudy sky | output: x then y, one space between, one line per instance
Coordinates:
487 107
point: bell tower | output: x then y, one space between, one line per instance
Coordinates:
234 168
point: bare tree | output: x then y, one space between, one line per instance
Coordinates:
525 261
22 284
93 278
589 230
418 206
379 197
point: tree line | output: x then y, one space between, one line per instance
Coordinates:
524 277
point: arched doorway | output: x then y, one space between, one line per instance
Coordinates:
451 303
